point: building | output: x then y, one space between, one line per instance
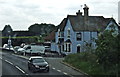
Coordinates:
75 32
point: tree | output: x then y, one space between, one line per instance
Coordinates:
41 29
108 49
7 30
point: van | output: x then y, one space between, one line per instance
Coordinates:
33 50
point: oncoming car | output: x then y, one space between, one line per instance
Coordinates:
38 63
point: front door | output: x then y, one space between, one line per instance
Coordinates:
78 49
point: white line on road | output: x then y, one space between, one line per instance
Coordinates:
59 70
9 62
53 68
26 74
65 73
20 69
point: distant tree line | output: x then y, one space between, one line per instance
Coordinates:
35 33
41 29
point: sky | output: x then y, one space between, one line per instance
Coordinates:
20 14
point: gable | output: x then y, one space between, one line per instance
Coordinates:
112 25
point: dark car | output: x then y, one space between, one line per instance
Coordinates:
38 63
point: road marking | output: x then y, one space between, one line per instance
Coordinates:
26 74
65 73
53 68
9 62
59 70
20 69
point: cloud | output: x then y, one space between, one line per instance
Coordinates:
20 14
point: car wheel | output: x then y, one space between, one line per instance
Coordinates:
32 70
47 70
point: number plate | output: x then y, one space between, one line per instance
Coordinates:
42 68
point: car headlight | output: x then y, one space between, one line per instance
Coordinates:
36 66
47 65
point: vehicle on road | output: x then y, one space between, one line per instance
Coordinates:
32 50
47 48
16 49
21 51
6 46
38 63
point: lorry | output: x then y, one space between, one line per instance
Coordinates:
32 50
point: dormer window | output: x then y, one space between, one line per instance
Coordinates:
68 33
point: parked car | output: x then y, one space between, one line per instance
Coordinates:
16 49
21 51
47 48
32 50
38 63
6 46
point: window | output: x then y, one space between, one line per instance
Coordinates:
62 34
58 32
66 47
62 47
68 33
69 47
78 36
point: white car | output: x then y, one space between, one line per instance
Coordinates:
5 46
21 51
32 50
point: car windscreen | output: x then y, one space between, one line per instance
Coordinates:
38 60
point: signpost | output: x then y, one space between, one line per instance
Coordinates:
9 40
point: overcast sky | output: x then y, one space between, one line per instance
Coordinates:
20 14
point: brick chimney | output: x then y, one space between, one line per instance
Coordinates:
86 15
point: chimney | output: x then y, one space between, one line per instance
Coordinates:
86 12
79 13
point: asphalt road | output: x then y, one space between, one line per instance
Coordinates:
16 65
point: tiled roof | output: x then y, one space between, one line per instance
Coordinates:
95 23
62 24
51 36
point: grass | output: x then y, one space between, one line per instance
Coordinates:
89 64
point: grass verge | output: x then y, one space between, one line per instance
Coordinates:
89 65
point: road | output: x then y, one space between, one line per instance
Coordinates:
15 65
